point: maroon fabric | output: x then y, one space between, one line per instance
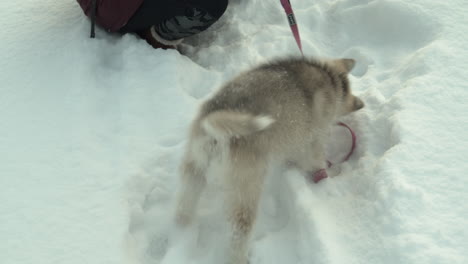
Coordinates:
111 14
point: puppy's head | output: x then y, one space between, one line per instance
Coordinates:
349 102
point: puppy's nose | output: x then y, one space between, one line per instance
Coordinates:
358 104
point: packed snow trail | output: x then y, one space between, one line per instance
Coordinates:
92 133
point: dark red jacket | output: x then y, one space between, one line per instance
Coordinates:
112 15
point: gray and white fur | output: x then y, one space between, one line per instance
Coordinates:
282 112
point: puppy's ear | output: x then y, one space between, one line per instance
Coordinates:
344 65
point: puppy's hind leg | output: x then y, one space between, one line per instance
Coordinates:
193 180
244 184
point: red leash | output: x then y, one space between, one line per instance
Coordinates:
292 22
320 174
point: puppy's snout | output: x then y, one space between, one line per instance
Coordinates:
358 104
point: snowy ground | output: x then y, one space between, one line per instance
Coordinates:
92 131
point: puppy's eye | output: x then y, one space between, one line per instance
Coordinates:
344 85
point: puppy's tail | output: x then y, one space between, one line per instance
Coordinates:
227 124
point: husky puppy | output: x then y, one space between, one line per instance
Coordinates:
281 112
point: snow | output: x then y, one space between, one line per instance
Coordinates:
92 133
